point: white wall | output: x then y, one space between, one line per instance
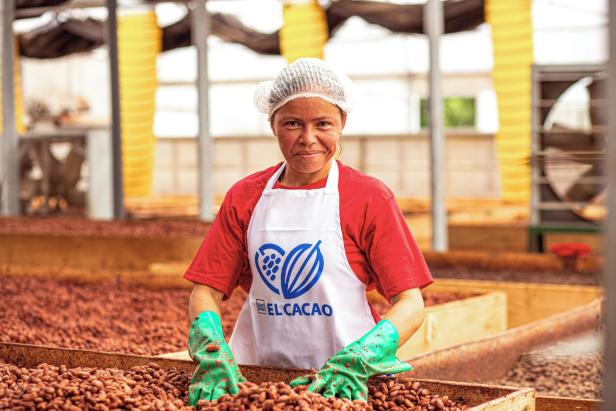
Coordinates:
400 161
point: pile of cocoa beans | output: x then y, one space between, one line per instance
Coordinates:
383 394
107 316
59 388
394 394
575 375
112 316
278 396
152 388
461 272
117 228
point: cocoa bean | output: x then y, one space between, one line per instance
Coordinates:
212 348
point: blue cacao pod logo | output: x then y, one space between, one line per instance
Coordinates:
268 259
301 268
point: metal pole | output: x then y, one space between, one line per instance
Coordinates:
609 278
9 194
433 26
535 187
116 131
200 29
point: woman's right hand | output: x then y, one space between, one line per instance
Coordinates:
217 373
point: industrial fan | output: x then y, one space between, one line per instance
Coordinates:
570 145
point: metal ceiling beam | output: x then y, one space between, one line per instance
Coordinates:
31 12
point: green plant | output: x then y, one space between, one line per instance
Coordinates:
458 112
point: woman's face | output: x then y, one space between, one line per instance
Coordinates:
308 130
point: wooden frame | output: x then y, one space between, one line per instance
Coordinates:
527 302
478 397
482 314
538 314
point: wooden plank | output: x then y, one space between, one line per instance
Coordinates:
488 237
527 302
545 403
91 252
91 276
168 270
522 400
178 355
481 397
458 322
490 358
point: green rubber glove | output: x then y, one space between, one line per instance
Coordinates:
346 373
217 373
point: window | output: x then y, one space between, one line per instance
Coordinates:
459 112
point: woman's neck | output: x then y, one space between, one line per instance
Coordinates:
292 178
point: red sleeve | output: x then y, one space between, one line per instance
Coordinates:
393 254
220 261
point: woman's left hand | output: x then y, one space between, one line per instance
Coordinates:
346 373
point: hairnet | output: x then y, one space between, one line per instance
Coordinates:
306 77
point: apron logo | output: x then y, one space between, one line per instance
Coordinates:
301 268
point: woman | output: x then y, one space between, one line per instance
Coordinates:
305 238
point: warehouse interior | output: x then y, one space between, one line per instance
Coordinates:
127 124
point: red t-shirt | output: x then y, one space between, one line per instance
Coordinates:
378 244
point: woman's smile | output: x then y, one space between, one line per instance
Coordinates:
308 130
310 155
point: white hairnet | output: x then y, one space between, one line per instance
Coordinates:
306 77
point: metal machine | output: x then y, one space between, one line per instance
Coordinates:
568 179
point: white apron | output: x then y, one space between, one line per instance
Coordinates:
305 302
